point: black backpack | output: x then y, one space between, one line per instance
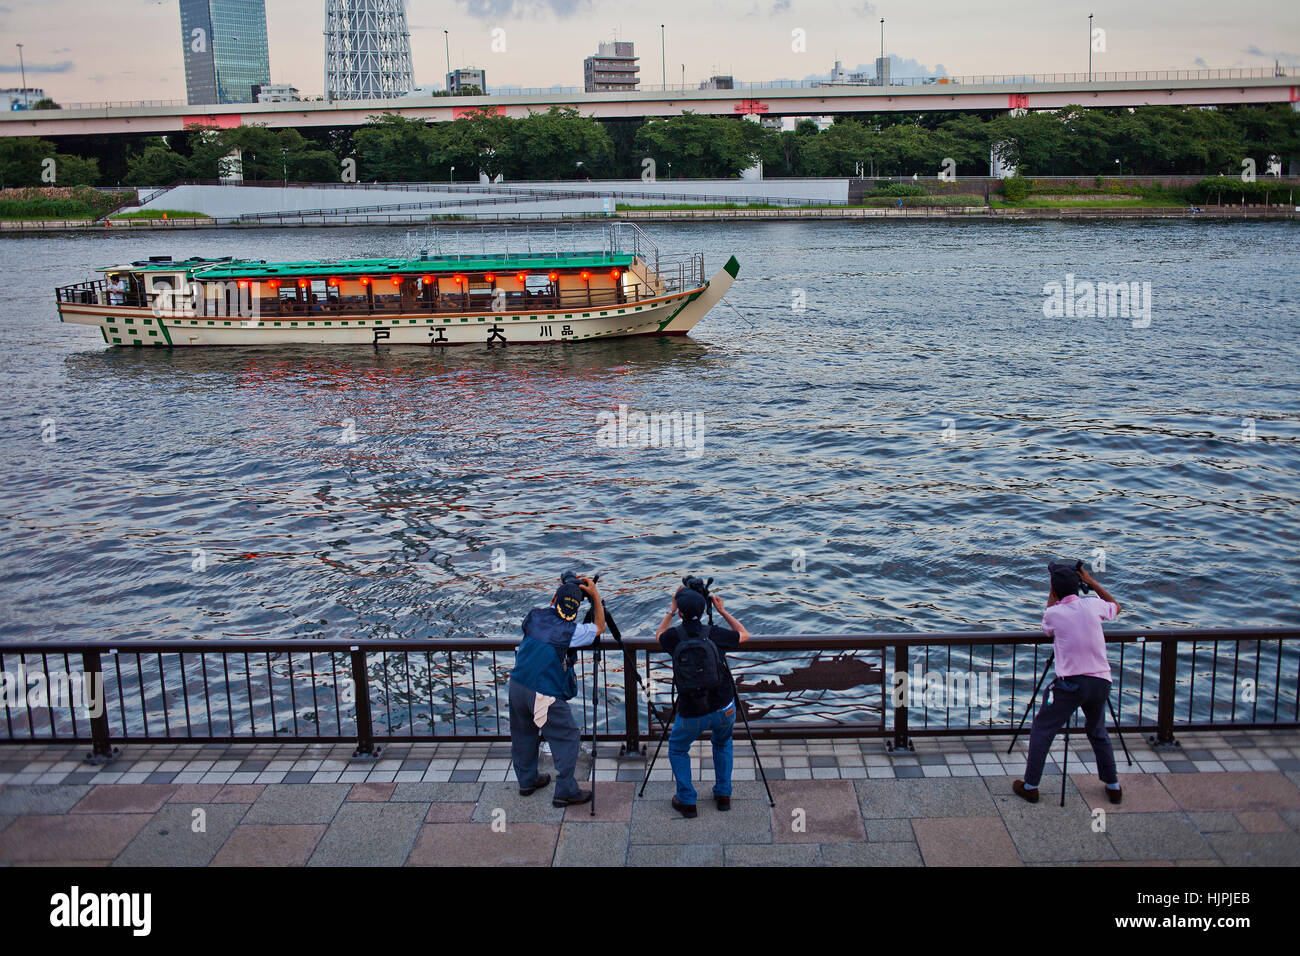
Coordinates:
697 664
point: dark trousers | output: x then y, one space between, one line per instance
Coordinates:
1068 694
560 730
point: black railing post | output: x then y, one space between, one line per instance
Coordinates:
102 749
361 697
631 707
901 741
1165 694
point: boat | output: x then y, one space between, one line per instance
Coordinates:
625 289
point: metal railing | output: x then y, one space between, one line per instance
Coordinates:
377 691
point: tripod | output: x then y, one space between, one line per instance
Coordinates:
735 697
1066 762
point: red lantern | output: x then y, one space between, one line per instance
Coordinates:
523 278
333 281
459 280
585 275
614 274
274 283
490 277
427 280
365 280
243 283
553 276
302 283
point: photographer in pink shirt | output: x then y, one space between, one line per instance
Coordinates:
1082 676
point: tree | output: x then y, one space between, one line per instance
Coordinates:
550 145
22 160
393 149
155 165
695 146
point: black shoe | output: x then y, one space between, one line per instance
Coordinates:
542 780
685 809
577 800
1019 787
723 803
1116 796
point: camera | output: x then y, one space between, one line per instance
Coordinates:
1076 567
698 585
576 579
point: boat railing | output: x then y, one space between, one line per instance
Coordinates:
371 691
96 292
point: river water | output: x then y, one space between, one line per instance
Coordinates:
891 435
887 433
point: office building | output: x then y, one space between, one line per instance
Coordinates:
614 67
224 43
459 81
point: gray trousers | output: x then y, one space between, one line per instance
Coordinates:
1068 694
560 730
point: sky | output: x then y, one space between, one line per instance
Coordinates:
110 50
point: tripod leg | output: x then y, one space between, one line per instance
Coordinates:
1065 764
744 717
1025 715
662 737
595 712
1119 733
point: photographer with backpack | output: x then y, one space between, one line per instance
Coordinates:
705 697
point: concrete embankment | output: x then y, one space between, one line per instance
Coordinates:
1211 213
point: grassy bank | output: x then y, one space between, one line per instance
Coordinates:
58 202
160 214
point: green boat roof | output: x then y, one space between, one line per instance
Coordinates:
254 268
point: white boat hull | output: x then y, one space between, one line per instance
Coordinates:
668 315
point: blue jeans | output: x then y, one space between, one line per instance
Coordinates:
686 730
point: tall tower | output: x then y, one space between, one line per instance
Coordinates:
367 49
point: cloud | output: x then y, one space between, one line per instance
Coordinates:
63 66
899 68
514 9
1282 57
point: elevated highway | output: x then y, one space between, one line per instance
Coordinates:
972 93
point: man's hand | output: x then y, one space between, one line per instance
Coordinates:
717 604
588 587
1086 577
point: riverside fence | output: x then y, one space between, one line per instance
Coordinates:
372 692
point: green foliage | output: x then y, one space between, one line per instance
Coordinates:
1016 188
23 163
68 202
890 188
692 146
1231 190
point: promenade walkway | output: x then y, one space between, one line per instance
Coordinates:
1230 797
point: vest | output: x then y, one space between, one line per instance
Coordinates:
541 662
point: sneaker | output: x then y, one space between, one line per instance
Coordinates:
723 803
577 800
685 809
542 780
1019 787
1116 796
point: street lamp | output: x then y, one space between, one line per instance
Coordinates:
446 39
1090 48
23 68
663 53
453 174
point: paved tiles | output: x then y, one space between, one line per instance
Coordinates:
1218 801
